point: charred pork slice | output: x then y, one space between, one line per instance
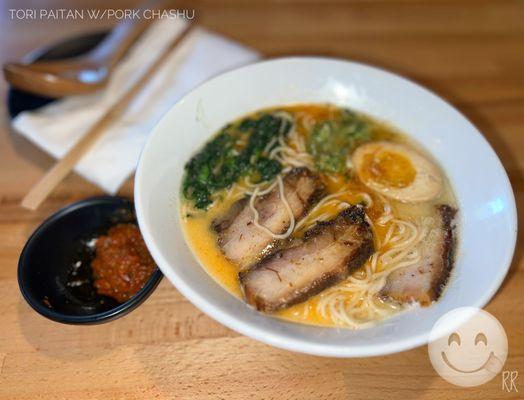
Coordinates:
423 282
326 255
242 242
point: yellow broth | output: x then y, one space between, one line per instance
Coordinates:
203 241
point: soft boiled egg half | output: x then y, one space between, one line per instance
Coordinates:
396 171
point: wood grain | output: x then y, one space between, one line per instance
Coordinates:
470 52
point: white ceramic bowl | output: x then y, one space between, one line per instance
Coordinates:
487 207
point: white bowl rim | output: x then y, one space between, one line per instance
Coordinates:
238 324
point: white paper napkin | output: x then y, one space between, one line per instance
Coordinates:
59 125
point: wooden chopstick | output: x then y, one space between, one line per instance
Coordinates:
63 167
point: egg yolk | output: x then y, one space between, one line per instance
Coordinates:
389 169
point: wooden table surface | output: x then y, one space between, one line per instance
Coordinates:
470 52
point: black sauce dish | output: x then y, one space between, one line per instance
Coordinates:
54 272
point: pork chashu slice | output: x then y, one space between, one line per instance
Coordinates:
423 282
325 255
242 242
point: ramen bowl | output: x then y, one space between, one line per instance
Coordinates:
486 221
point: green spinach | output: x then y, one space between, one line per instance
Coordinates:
240 149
